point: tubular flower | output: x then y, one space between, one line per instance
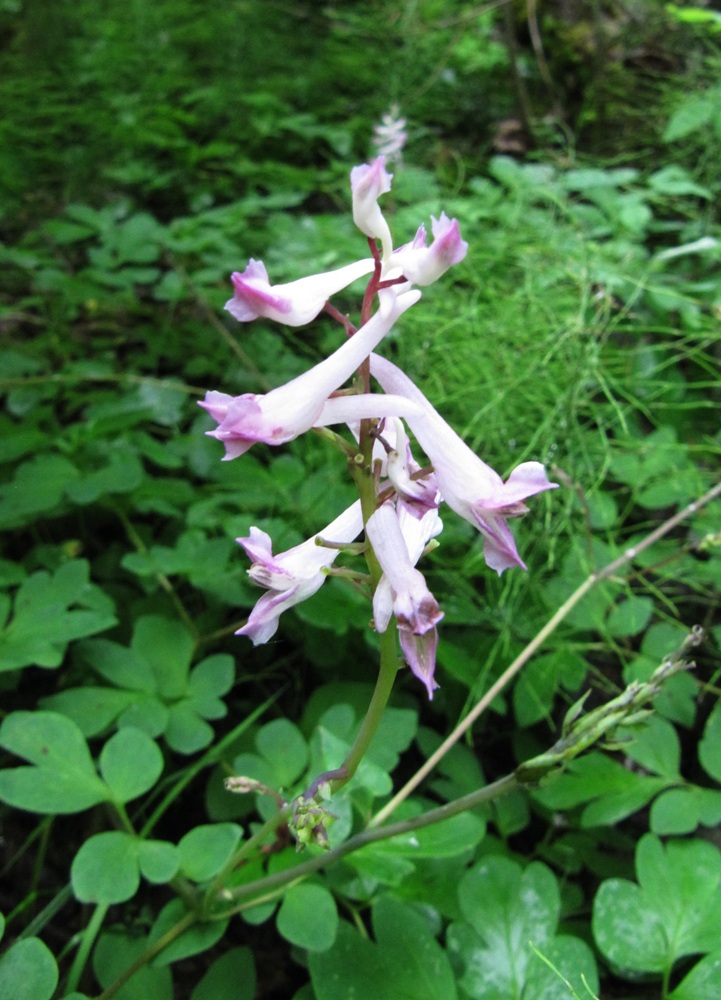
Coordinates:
295 303
422 264
470 487
294 575
418 494
402 590
368 182
283 413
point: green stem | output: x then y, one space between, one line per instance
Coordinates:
368 836
87 941
381 693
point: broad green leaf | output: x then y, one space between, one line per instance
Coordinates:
703 982
205 849
168 647
230 977
64 779
404 963
693 114
308 917
439 840
656 746
37 488
130 763
159 861
284 747
185 731
681 810
709 748
115 952
196 939
507 907
92 709
106 868
28 971
675 910
123 473
609 790
51 611
630 616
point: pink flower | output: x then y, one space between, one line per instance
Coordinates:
283 413
422 264
398 540
295 303
470 487
368 182
294 575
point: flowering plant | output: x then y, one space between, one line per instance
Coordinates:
399 499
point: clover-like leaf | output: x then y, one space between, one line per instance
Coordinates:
404 963
154 689
674 910
308 917
108 866
49 612
28 971
507 910
62 778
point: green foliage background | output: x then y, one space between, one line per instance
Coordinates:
147 150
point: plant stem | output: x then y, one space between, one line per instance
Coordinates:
381 693
86 943
603 574
367 836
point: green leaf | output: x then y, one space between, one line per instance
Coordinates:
106 868
28 971
283 745
37 488
681 810
695 113
122 474
193 941
308 917
159 861
610 791
507 907
92 709
168 647
230 977
115 952
130 763
709 748
50 612
446 839
404 963
64 779
630 616
675 909
206 849
535 690
703 982
185 731
656 746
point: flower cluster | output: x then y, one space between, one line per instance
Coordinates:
403 518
